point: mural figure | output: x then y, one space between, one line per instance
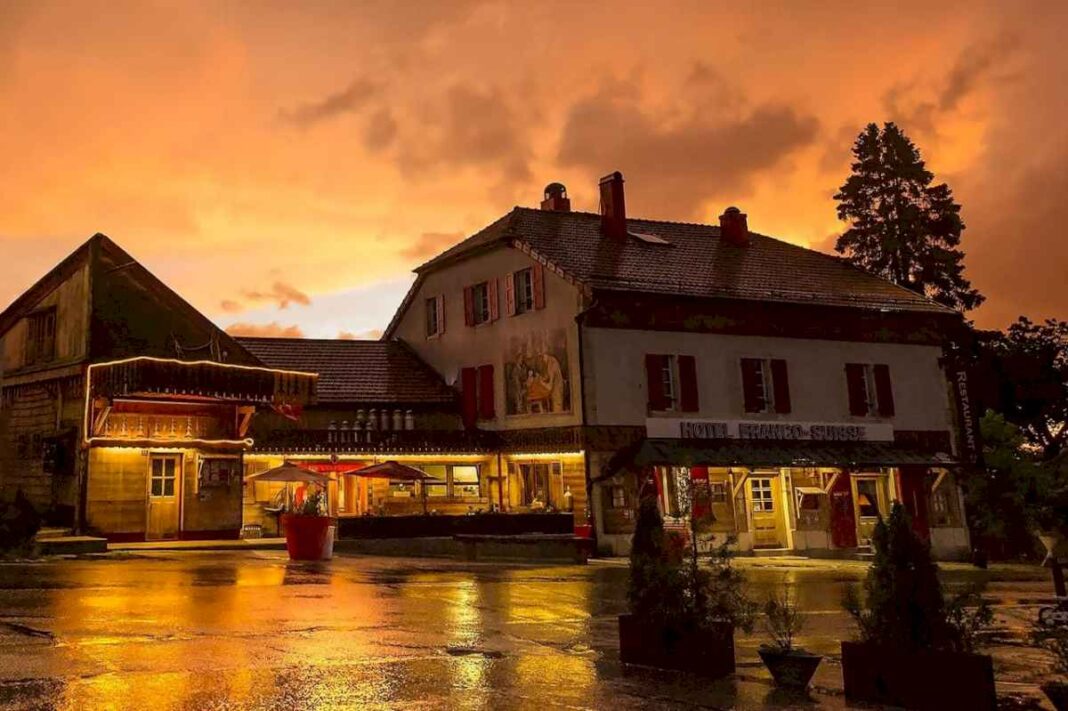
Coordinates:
536 373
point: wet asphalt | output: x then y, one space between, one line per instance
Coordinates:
251 630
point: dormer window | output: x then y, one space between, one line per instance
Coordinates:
41 337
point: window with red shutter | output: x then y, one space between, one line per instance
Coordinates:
857 385
469 394
753 385
884 393
688 400
538 274
469 306
509 293
654 373
441 314
780 380
493 296
486 410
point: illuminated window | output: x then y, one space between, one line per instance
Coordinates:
619 497
163 473
536 480
717 492
438 486
867 498
465 481
763 501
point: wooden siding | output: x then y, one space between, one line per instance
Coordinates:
70 299
117 490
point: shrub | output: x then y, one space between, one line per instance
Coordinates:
314 504
905 606
783 621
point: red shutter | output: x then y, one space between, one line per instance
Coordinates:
441 314
485 392
493 293
702 493
883 392
469 306
780 380
752 385
469 392
688 401
509 294
537 274
654 369
858 397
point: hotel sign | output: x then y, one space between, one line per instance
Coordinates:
769 430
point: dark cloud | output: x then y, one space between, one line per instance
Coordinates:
380 131
280 293
430 244
265 330
679 162
473 127
353 98
911 103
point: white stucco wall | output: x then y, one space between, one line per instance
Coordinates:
490 343
616 381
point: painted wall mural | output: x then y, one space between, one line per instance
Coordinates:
537 375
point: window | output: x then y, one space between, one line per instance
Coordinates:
163 472
438 486
435 316
867 498
480 303
465 481
869 388
523 284
672 383
619 497
765 385
41 337
717 492
762 498
539 481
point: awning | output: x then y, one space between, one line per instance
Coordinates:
765 453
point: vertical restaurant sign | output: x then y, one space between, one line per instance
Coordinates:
968 440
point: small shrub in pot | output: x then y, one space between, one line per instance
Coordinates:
916 650
790 666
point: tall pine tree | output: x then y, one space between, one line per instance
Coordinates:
902 227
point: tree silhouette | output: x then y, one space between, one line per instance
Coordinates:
902 227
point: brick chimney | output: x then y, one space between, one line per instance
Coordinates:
613 207
734 227
556 198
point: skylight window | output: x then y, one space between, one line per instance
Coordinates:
648 238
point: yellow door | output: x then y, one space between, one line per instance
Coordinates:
870 500
764 505
164 488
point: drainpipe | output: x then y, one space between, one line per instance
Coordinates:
586 455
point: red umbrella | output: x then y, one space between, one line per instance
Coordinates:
392 470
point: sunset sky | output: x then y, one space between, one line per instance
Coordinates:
284 165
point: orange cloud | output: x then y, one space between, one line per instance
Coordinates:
280 293
265 330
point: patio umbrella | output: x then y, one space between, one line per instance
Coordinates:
395 471
290 473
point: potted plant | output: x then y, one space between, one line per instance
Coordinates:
683 609
790 666
916 650
308 529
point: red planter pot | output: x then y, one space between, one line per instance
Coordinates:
307 537
584 530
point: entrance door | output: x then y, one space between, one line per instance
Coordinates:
843 515
763 503
870 497
164 485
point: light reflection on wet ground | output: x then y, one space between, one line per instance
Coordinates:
251 630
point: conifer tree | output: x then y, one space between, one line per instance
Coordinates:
902 227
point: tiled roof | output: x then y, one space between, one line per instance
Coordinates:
696 262
356 371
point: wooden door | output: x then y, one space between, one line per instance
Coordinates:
164 490
764 504
870 499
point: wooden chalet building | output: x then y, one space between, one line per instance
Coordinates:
123 410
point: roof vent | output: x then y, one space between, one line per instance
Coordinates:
734 227
613 207
556 199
